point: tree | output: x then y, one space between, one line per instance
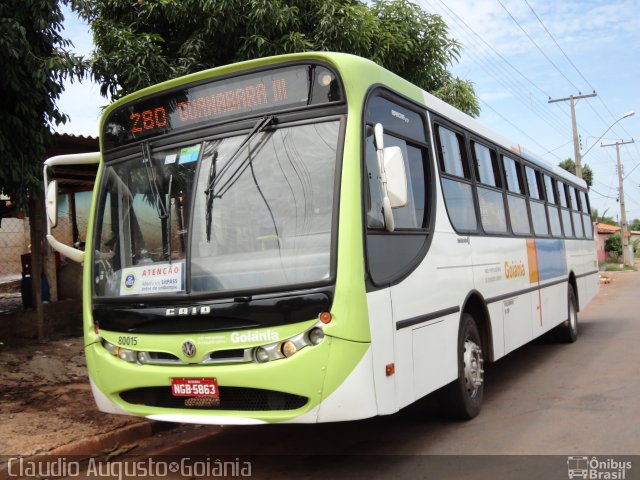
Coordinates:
145 42
596 217
34 64
570 166
613 245
635 225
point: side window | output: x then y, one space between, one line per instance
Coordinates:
573 199
456 182
513 172
552 210
586 216
486 163
549 190
450 153
562 194
491 201
532 183
584 203
518 213
575 214
565 214
536 202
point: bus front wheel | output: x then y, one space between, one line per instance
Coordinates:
462 398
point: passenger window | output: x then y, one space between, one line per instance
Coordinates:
577 223
460 204
515 182
583 202
566 223
562 194
532 183
519 215
458 192
549 190
450 154
554 221
492 212
588 226
486 163
539 218
574 200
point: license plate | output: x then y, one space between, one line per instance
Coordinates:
195 387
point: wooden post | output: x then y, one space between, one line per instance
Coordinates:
36 209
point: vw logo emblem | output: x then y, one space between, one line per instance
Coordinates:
189 349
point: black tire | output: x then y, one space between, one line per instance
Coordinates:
462 398
567 331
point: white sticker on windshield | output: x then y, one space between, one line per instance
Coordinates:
153 279
172 158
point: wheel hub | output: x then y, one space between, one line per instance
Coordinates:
473 366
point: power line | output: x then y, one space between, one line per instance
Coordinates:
501 75
536 45
593 190
516 127
558 45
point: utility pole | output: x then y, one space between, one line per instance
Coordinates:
626 254
574 125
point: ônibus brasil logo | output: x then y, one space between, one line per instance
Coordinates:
593 468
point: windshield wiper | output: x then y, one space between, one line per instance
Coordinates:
209 193
214 177
160 206
167 221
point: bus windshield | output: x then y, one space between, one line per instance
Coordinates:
214 216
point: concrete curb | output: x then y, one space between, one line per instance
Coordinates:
105 442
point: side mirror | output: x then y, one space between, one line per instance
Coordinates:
81 161
393 177
52 203
396 177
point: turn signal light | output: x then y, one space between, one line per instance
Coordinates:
325 317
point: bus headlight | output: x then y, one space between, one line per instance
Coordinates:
316 335
261 355
122 353
288 348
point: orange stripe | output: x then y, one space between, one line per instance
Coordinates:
532 257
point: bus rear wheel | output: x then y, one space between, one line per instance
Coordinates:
462 398
568 330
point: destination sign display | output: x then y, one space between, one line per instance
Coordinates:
278 89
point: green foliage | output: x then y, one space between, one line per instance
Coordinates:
570 166
596 217
34 64
145 42
635 225
613 245
460 93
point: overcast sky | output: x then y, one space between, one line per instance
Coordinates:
518 53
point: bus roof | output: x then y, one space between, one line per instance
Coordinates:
341 60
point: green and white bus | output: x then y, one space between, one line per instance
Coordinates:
310 238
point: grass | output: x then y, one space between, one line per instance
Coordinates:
616 267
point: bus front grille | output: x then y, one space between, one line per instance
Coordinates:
231 398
